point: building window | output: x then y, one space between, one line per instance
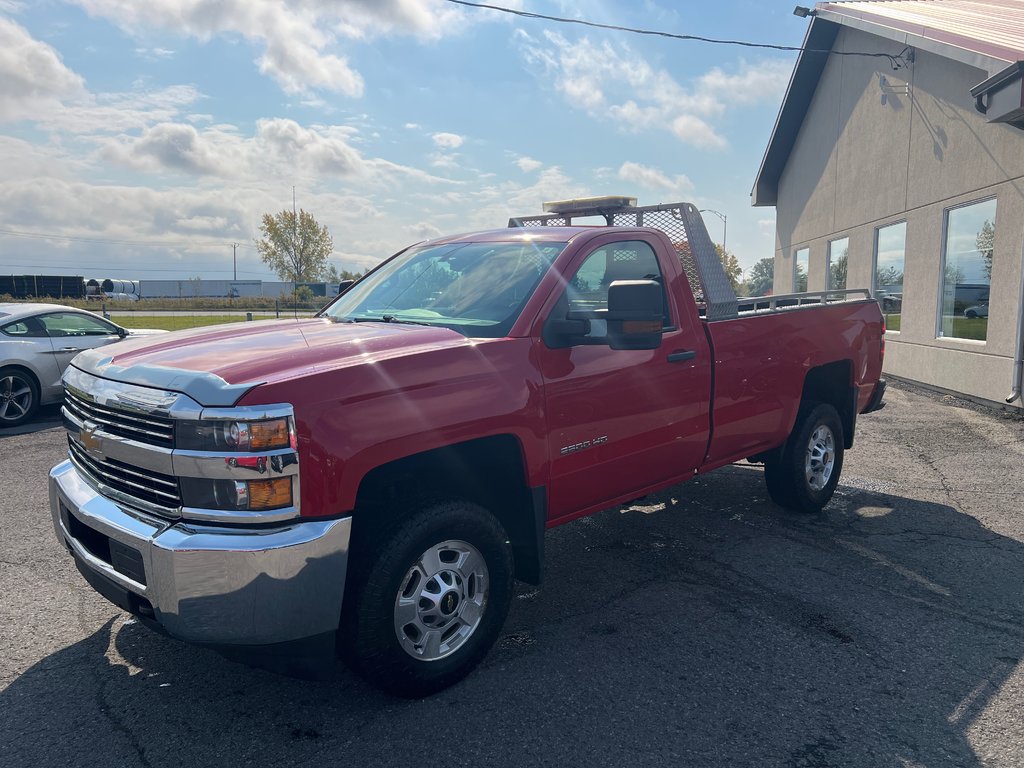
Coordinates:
890 256
967 271
801 260
835 276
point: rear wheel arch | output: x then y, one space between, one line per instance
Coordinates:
832 383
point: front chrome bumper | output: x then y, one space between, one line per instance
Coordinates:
205 583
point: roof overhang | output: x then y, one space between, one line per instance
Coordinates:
821 34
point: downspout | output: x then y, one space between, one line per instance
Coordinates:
1018 358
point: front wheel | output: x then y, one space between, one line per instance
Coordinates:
805 474
427 599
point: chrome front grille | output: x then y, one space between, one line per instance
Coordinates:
156 489
142 427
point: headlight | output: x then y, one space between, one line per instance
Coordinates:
253 495
236 436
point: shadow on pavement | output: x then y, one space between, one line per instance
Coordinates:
700 626
47 417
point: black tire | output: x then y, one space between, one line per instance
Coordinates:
382 562
796 476
14 399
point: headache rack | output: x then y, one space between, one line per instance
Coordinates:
685 228
680 221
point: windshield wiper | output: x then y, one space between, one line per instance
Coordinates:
386 319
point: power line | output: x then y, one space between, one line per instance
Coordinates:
111 241
108 268
897 62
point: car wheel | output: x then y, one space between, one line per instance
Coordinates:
426 600
19 397
804 475
970 313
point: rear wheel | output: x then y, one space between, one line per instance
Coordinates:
427 598
19 397
804 475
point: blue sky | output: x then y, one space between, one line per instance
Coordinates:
166 128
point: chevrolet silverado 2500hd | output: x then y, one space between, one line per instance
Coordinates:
372 480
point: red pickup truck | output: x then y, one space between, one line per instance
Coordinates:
371 480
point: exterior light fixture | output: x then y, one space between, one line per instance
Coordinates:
803 13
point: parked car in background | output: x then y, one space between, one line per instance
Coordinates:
981 310
37 341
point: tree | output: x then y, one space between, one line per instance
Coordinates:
332 274
887 276
732 267
295 247
837 273
761 280
984 242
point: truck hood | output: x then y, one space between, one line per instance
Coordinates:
217 365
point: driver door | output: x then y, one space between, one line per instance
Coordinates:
621 421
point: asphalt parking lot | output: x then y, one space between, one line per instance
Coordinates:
700 627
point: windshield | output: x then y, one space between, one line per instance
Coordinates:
477 289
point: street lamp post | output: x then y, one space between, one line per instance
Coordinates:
725 222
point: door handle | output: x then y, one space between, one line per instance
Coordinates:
682 356
70 349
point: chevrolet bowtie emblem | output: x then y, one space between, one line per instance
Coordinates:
90 441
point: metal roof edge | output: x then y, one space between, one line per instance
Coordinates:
915 39
821 33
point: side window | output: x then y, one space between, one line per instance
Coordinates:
61 324
29 328
628 260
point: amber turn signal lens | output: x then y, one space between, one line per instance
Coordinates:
641 326
267 435
270 494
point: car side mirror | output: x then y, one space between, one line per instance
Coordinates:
122 332
344 285
635 312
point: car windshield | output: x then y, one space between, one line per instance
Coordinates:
477 289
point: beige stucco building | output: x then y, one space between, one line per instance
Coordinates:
905 173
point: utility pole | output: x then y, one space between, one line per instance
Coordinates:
234 259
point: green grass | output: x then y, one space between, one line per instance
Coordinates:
181 322
975 329
967 328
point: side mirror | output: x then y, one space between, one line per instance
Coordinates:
635 311
121 332
344 285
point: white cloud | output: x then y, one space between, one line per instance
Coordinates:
441 160
528 164
613 82
411 126
690 129
111 112
448 140
154 54
652 178
301 40
762 83
279 148
32 75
